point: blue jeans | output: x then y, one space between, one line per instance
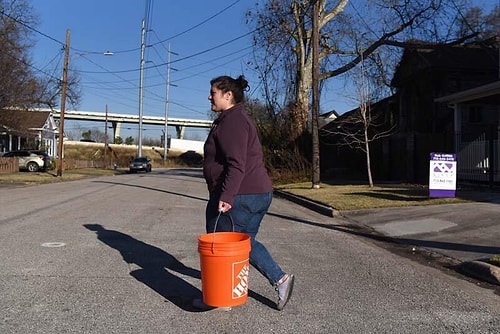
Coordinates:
246 214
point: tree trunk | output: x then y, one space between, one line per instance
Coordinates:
368 161
300 114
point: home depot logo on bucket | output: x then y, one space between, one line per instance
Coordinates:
240 278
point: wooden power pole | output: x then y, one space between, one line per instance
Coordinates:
63 107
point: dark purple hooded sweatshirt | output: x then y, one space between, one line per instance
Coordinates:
233 158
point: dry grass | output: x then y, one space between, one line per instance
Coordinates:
355 197
119 154
51 177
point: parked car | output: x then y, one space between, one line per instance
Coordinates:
140 164
47 159
29 161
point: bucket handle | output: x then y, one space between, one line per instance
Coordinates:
215 228
217 220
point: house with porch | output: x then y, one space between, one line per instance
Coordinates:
477 132
446 100
27 129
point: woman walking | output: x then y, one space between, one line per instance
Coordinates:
237 179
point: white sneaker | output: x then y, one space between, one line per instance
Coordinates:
284 292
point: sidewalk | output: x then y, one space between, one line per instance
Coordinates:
468 233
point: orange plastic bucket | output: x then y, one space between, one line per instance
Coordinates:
224 262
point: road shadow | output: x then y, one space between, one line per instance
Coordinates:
156 267
153 189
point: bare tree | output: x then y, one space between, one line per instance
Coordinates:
53 89
75 132
94 134
350 32
22 84
284 30
361 126
274 132
474 19
19 85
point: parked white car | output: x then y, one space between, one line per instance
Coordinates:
29 161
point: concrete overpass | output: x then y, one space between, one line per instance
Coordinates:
117 119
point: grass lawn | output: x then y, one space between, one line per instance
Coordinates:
355 197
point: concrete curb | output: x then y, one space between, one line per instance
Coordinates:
311 205
481 270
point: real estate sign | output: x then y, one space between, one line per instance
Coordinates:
442 175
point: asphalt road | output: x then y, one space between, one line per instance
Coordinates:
119 255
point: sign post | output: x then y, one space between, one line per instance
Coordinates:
442 175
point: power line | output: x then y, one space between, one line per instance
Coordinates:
180 59
31 28
199 24
148 9
178 34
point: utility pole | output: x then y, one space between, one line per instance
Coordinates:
315 97
165 135
165 153
63 106
106 139
141 88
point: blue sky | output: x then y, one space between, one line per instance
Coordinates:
207 39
